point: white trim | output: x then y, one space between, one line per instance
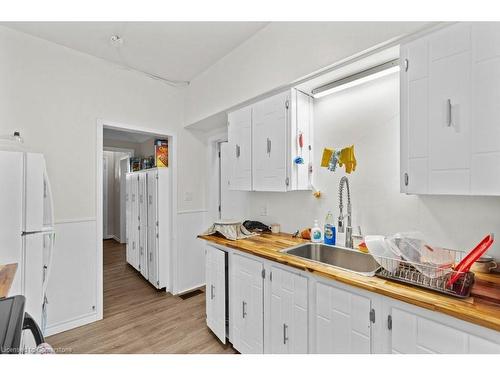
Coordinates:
131 151
183 212
155 132
70 324
189 289
76 220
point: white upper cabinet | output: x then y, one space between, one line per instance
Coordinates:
266 137
450 128
269 157
240 149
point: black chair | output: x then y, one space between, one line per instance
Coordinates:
13 320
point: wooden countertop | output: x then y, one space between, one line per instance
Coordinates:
7 273
475 309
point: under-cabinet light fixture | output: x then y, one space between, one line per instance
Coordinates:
356 79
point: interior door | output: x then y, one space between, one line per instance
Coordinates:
247 305
289 312
240 146
152 227
216 291
270 119
143 225
342 321
232 203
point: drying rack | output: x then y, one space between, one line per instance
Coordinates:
428 276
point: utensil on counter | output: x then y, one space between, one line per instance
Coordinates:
467 262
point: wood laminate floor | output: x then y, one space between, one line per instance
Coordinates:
140 319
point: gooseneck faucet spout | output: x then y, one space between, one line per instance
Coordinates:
341 227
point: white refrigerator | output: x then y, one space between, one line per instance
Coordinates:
27 234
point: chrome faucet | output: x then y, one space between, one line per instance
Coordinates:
340 226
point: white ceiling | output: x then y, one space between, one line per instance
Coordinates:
176 51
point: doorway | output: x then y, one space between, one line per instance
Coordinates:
117 145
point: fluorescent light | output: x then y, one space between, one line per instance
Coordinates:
357 79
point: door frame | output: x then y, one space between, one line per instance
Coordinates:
154 132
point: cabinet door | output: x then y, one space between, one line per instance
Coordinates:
240 149
152 227
289 312
412 334
414 117
270 119
449 111
342 321
215 261
134 222
143 225
485 168
247 311
128 217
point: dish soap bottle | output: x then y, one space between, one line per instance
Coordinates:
316 232
330 232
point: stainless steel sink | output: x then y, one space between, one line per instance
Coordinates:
338 257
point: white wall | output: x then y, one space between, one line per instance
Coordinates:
109 190
368 117
54 95
278 55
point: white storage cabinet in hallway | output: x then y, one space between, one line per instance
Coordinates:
148 226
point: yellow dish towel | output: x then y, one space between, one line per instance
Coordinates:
325 159
348 159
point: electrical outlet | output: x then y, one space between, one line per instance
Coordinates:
188 196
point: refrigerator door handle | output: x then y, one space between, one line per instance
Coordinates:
49 214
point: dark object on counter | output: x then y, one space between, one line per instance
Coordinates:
13 320
256 226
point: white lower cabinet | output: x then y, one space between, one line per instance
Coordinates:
288 321
247 304
215 261
278 309
412 330
343 321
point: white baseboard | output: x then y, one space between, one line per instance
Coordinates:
70 324
189 290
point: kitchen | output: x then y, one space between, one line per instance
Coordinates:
392 133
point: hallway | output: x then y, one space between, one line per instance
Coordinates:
140 319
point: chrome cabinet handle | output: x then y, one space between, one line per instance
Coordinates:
244 304
407 64
238 151
268 146
212 294
406 179
285 334
450 119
